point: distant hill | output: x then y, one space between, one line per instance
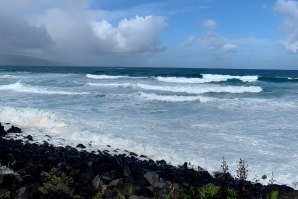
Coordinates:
22 60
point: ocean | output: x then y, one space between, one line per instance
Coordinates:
179 115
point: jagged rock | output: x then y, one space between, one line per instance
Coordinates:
133 154
44 175
8 176
80 146
29 137
151 177
146 192
112 193
2 131
116 183
14 129
128 189
27 192
143 156
161 162
97 182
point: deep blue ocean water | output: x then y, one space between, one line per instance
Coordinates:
176 114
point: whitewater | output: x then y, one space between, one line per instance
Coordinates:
179 115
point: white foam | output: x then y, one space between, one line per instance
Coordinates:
181 80
185 89
201 90
292 78
206 78
8 76
220 78
23 88
104 76
30 118
173 98
125 85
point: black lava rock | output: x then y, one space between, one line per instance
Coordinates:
14 129
80 146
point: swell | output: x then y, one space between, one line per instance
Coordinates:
173 98
185 89
23 88
207 78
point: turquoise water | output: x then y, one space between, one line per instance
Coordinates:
193 115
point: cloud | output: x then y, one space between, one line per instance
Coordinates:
211 40
289 9
189 41
230 47
17 35
69 31
134 35
209 24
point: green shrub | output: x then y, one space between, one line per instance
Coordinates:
274 195
54 180
5 195
98 196
209 192
131 191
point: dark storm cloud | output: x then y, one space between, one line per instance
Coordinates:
17 34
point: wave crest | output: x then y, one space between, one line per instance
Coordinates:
103 76
30 118
201 90
173 98
23 88
207 78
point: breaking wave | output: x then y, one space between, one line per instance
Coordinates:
173 98
125 85
103 76
30 118
23 88
207 78
201 90
185 89
8 76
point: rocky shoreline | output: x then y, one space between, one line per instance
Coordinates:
30 170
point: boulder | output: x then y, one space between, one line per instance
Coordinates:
8 176
97 182
151 177
2 131
14 129
80 146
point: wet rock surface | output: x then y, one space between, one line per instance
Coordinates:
46 171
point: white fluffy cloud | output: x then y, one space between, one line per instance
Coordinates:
209 24
131 35
211 40
68 30
289 9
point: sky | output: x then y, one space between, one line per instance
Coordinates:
258 34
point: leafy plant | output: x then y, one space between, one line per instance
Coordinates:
5 195
209 192
122 197
131 191
98 196
54 180
242 173
224 180
273 195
